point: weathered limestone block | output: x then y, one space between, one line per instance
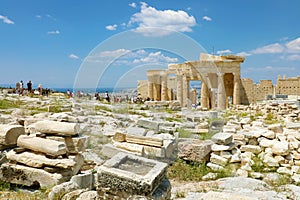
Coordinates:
10 133
280 148
152 152
49 147
84 180
29 176
220 147
270 161
146 123
74 144
156 142
280 159
59 128
131 174
87 195
194 150
277 128
269 134
222 138
133 148
214 167
219 160
75 194
132 130
39 160
225 154
284 170
229 130
251 148
60 190
266 143
109 150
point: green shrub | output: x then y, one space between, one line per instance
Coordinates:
187 171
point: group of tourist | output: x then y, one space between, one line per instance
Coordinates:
22 90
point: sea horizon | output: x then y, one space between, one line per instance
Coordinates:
84 90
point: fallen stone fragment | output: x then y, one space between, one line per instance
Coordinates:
194 150
39 160
222 138
47 146
58 128
28 176
10 133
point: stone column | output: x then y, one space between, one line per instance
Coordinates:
237 89
204 95
150 87
179 89
221 92
185 91
164 87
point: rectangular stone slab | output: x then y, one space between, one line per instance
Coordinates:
39 160
10 133
130 173
55 127
28 176
156 142
49 147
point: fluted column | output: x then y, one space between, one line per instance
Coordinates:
179 89
185 91
164 87
237 89
204 95
221 92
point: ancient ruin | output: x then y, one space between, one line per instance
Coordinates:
221 84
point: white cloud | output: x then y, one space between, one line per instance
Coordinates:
51 17
129 58
244 54
38 16
112 27
155 57
56 32
6 20
113 54
132 5
293 46
206 18
73 56
272 48
149 18
293 57
224 52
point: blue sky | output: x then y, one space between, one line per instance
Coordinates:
50 41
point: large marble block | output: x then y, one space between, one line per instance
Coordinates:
132 174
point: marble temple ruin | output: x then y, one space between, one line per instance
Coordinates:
221 84
219 75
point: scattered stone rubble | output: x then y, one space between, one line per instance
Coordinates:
50 155
47 149
246 146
